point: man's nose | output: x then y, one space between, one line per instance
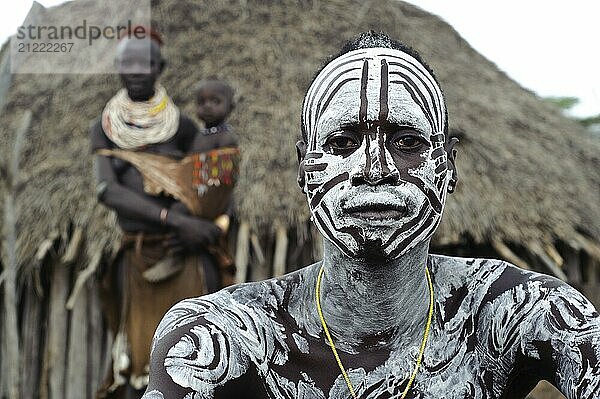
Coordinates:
374 179
374 168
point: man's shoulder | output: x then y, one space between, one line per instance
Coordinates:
196 343
205 342
208 309
254 302
494 278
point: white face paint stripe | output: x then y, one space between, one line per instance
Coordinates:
316 89
418 97
428 80
421 86
410 226
422 96
330 86
328 69
328 228
417 234
399 64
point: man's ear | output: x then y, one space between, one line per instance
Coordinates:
451 151
300 153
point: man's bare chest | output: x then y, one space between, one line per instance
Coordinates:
449 370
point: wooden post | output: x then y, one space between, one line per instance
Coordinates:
82 277
260 268
73 247
281 245
242 252
95 342
56 342
258 252
554 255
76 382
30 334
572 266
11 353
592 271
3 365
507 254
538 250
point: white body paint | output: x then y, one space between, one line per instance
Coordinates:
505 312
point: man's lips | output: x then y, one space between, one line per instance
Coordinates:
376 211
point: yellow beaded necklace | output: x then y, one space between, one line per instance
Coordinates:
334 350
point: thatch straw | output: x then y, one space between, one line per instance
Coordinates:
526 172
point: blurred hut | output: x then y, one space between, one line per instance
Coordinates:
528 190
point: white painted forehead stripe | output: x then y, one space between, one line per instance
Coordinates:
328 92
325 100
325 75
424 74
417 97
414 77
429 84
327 88
429 99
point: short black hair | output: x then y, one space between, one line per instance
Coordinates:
223 85
371 39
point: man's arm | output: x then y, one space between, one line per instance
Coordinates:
568 325
191 356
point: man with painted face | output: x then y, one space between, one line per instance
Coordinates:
379 317
163 257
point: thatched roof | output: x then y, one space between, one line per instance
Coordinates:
526 172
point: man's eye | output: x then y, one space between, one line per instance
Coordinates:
407 143
338 144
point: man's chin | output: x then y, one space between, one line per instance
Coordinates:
372 251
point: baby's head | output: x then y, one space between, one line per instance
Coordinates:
214 101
